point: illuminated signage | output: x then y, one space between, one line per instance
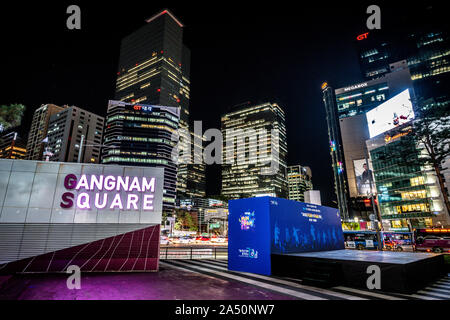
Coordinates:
356 86
108 192
248 253
143 108
340 167
332 146
388 138
390 114
324 85
362 36
247 220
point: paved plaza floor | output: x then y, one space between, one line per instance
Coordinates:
194 280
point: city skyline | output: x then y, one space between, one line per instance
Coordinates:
249 57
196 155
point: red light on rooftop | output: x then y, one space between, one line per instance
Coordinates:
159 90
162 13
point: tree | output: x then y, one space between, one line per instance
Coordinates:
11 116
431 129
192 226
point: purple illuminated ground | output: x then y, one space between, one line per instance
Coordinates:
167 284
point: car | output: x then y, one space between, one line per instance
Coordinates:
164 240
218 240
202 239
184 240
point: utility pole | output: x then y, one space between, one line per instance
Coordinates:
375 213
80 150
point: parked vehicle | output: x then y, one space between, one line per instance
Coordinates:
361 240
183 240
397 241
164 240
202 239
432 240
218 240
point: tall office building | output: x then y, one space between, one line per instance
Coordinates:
140 135
154 69
74 129
12 146
38 130
424 44
299 180
348 131
255 152
191 178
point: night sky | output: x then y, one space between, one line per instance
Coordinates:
241 51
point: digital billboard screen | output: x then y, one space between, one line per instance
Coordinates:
365 183
390 114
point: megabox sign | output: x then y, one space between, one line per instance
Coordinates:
111 192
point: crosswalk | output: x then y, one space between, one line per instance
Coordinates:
440 290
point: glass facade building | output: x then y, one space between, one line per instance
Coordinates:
255 152
408 192
299 181
426 49
140 135
154 69
348 131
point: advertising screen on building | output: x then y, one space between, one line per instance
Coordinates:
390 114
365 184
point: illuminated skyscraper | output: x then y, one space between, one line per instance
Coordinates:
346 110
12 146
424 44
154 69
73 129
255 152
140 135
38 130
299 181
154 65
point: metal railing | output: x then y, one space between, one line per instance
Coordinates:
191 252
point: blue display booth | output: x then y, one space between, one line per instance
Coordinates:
259 227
